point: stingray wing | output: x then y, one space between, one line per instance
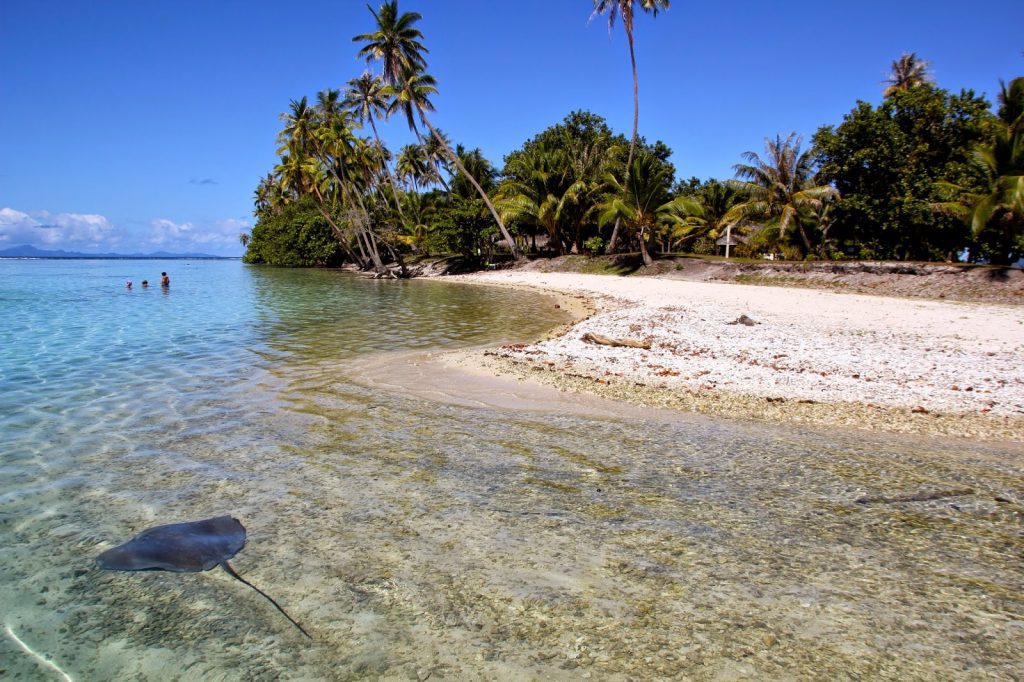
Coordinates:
180 547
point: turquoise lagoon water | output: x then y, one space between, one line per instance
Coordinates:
420 540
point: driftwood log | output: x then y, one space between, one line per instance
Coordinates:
606 341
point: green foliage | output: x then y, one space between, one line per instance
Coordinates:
997 212
594 245
782 192
701 211
296 236
461 226
558 181
889 164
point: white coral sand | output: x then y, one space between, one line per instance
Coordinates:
805 345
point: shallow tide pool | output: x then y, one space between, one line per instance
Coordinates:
419 540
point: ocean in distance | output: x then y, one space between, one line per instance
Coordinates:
416 539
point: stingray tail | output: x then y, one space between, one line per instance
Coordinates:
227 567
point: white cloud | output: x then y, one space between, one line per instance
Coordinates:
220 237
167 231
92 233
68 231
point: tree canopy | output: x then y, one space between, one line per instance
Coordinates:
925 174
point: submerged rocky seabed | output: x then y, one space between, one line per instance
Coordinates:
417 540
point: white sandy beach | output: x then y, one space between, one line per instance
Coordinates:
812 356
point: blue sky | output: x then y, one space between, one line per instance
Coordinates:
140 126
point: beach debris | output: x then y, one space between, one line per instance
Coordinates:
744 320
186 548
608 341
924 496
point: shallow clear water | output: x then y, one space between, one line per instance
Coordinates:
417 539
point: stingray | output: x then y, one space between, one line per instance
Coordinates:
185 548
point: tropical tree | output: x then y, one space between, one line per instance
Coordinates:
243 239
441 167
641 203
907 72
534 191
705 212
625 9
297 235
555 182
412 166
995 211
367 99
893 165
780 186
396 44
474 165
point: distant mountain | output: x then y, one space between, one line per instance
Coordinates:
26 251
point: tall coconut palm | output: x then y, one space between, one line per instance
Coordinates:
780 186
297 144
395 43
625 9
907 72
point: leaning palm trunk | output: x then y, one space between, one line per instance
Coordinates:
362 220
338 232
387 169
516 253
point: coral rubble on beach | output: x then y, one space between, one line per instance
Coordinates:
783 354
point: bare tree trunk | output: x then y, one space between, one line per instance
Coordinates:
516 253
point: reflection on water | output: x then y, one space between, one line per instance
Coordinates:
418 540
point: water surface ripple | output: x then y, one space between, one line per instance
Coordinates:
415 539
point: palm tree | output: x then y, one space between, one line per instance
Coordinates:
641 202
707 213
533 190
437 159
625 8
367 100
414 95
243 239
780 186
999 208
907 72
412 165
395 43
